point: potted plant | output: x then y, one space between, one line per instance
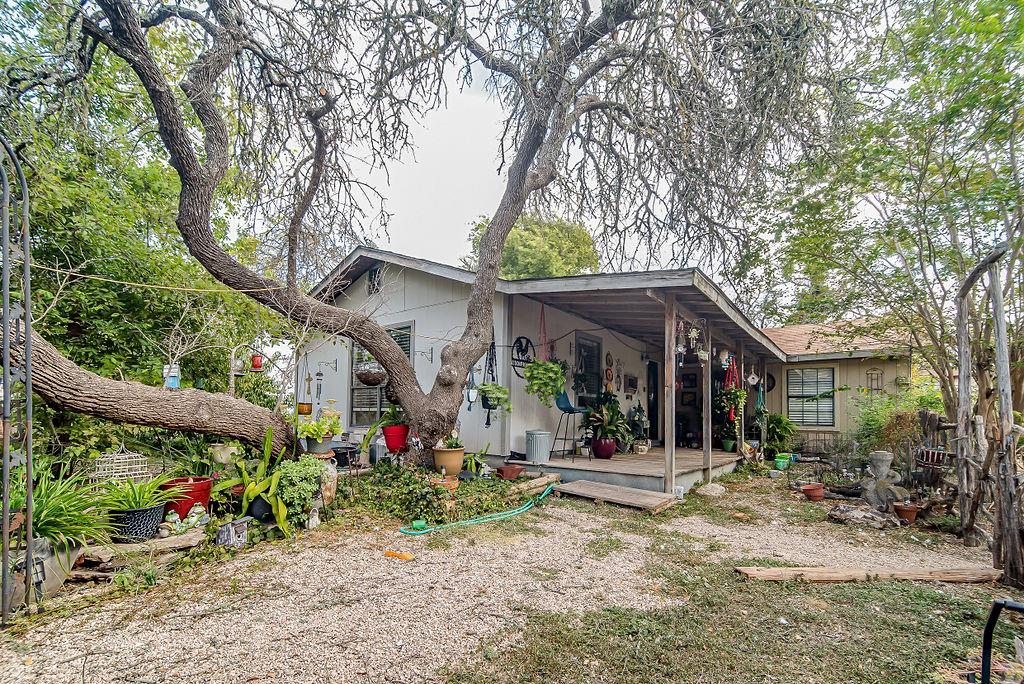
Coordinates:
474 463
449 455
395 428
259 488
495 397
728 435
370 372
779 434
66 514
136 509
606 424
192 490
545 380
225 452
319 433
639 428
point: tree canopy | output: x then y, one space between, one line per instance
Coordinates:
539 248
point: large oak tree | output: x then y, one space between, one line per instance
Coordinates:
653 120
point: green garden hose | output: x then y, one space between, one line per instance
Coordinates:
490 517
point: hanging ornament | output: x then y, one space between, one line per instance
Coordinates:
257 363
753 378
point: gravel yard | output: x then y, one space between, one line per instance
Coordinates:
330 607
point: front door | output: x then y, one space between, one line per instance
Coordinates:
653 398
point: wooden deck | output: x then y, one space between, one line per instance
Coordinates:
652 463
641 472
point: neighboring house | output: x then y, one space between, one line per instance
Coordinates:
611 328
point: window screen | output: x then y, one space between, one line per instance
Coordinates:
804 383
368 403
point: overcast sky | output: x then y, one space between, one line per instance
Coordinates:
452 180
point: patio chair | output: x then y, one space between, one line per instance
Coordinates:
569 413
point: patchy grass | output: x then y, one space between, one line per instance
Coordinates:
728 629
722 510
604 546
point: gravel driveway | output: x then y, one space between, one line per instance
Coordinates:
331 607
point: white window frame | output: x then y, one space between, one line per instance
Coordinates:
354 384
801 399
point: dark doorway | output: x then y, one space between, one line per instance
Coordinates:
654 391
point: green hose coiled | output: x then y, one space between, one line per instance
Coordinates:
490 517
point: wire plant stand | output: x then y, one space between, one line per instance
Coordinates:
16 376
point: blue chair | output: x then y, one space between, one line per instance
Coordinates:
569 413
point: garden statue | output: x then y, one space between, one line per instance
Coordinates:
879 484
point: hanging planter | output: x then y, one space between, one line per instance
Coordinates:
371 373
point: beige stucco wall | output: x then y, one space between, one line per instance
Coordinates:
850 372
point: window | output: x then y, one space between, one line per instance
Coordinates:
589 376
876 381
809 395
368 403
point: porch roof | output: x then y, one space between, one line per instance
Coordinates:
633 304
624 302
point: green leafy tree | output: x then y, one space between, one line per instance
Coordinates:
539 248
881 230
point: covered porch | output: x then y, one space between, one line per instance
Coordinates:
690 332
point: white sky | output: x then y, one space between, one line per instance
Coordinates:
452 180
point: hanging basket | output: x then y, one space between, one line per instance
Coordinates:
371 373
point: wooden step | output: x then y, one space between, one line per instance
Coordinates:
655 502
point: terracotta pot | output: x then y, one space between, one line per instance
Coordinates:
510 472
603 447
906 512
814 491
449 459
451 483
395 437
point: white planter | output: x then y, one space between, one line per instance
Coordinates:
225 453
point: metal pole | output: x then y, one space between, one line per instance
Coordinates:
5 555
26 306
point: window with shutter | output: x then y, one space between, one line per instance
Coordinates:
810 400
368 403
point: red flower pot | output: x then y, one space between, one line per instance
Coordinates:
603 447
395 437
193 490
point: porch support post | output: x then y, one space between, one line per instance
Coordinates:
669 381
741 415
707 412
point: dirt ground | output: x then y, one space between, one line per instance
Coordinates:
330 607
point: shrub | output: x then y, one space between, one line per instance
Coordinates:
299 483
885 421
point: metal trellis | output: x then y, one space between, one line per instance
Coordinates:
16 377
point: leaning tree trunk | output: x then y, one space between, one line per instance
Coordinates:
62 383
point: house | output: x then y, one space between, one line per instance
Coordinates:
617 331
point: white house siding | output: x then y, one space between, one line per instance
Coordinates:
436 308
528 412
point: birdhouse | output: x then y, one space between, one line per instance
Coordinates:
257 363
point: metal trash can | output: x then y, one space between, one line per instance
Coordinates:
538 446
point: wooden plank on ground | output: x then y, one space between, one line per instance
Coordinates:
819 574
178 542
537 485
625 496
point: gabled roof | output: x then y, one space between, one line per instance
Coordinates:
807 341
625 302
